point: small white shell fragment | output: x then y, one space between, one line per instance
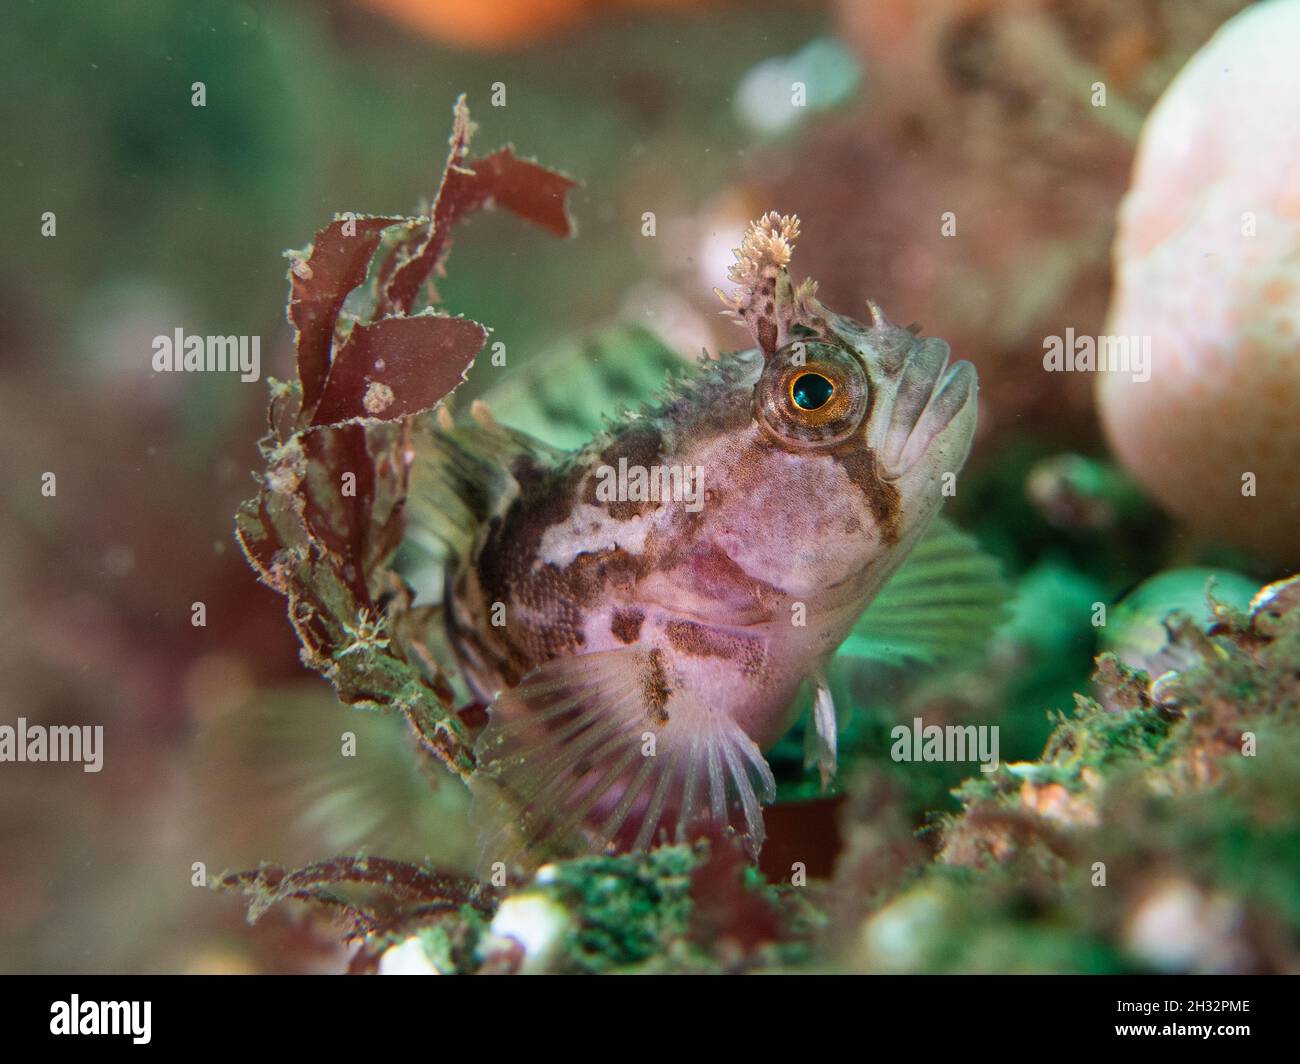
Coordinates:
896 937
407 958
537 923
1177 927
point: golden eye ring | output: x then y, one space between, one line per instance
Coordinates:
812 394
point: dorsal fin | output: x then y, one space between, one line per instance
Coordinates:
562 395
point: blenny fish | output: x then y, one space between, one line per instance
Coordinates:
639 615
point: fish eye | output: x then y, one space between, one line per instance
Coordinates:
810 391
812 394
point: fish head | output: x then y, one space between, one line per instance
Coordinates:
861 429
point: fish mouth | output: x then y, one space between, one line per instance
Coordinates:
928 402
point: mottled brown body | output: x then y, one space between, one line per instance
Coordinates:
578 575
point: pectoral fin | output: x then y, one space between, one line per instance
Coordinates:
607 751
461 478
821 741
942 603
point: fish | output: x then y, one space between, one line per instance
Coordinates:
639 614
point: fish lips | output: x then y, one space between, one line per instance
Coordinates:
933 412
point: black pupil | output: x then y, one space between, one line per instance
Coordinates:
811 391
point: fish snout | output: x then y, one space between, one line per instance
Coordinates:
933 411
